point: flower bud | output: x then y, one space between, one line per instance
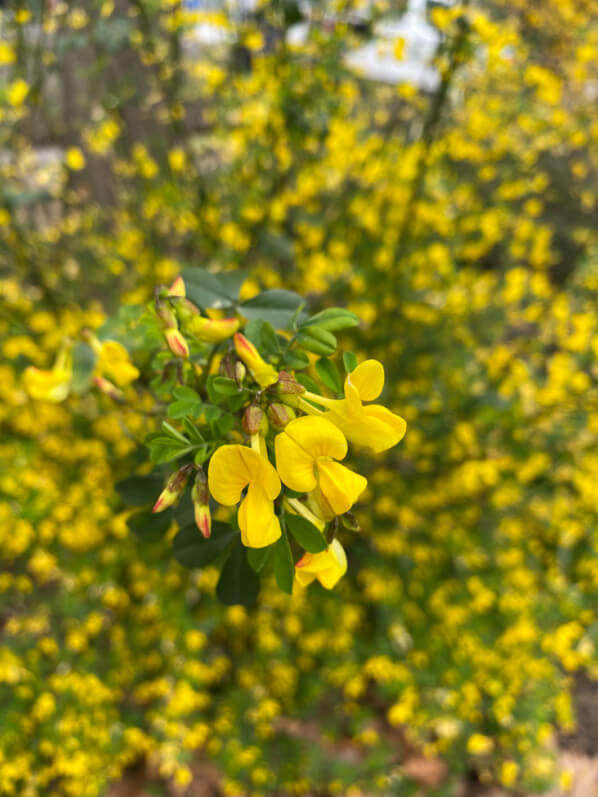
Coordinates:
176 342
201 503
288 385
106 386
212 330
177 288
263 373
254 421
240 372
166 315
279 414
174 487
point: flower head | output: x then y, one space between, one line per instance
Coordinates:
373 425
327 567
53 385
231 469
305 458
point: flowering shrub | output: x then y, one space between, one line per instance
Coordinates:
459 228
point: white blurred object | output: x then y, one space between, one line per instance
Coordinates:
297 34
377 60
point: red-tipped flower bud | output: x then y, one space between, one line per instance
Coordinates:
279 414
106 386
201 504
176 342
177 288
174 487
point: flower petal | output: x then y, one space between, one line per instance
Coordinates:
339 485
318 437
394 427
228 474
258 523
337 566
295 466
368 378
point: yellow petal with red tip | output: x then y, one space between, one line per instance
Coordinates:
340 486
328 566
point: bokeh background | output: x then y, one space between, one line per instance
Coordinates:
434 169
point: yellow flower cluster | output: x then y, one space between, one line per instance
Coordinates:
470 605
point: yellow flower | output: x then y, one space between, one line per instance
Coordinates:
51 385
16 92
75 159
113 360
263 373
305 454
231 469
373 426
328 566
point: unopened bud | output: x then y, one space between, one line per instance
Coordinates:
174 487
288 385
166 315
212 330
254 421
176 342
177 288
279 414
201 504
240 372
263 373
106 386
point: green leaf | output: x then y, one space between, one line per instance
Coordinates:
213 290
257 557
277 307
307 535
308 383
173 433
328 373
150 526
284 568
333 319
84 360
263 336
192 550
317 340
164 448
194 434
349 361
238 583
140 490
187 402
295 360
220 387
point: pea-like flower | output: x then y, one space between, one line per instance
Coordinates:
372 426
113 361
51 385
305 458
232 469
327 567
